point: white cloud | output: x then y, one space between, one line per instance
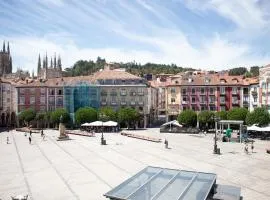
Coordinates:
174 48
246 14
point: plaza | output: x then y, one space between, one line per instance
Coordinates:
81 168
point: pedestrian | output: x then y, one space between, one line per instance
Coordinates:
252 146
166 143
42 133
30 133
7 140
30 139
246 148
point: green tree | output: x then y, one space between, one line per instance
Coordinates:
27 116
188 118
40 118
129 116
222 115
255 71
259 116
237 114
237 71
106 114
86 114
206 117
55 116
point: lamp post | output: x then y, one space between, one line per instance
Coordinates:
216 119
101 116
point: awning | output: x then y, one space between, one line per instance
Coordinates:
96 123
253 128
85 124
110 123
174 122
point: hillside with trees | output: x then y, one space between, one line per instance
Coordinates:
83 67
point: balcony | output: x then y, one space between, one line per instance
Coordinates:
245 102
133 93
132 103
254 93
123 103
235 102
103 103
140 103
113 103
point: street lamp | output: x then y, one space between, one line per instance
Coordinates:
216 119
101 116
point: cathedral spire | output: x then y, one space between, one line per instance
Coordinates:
4 47
10 64
8 50
54 61
59 64
39 64
51 63
46 61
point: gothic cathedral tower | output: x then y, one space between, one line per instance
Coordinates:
5 60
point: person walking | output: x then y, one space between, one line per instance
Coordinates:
30 133
252 146
246 148
166 143
7 140
30 139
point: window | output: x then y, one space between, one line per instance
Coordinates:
184 91
235 100
222 90
193 99
22 90
140 91
202 99
60 92
123 92
172 100
172 90
59 101
8 99
212 90
203 108
212 99
213 108
51 91
193 108
193 90
234 90
42 91
103 93
32 100
222 99
22 100
33 90
223 108
202 90
113 92
42 100
51 100
184 99
255 99
67 91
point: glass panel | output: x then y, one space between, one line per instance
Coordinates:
154 186
132 184
200 187
176 187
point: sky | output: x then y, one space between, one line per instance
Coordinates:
202 34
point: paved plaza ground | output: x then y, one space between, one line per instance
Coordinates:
83 169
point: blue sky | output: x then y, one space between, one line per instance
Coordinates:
206 34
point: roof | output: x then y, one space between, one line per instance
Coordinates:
114 74
162 184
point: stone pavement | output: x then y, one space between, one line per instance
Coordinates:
83 169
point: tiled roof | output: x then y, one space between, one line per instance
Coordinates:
114 74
